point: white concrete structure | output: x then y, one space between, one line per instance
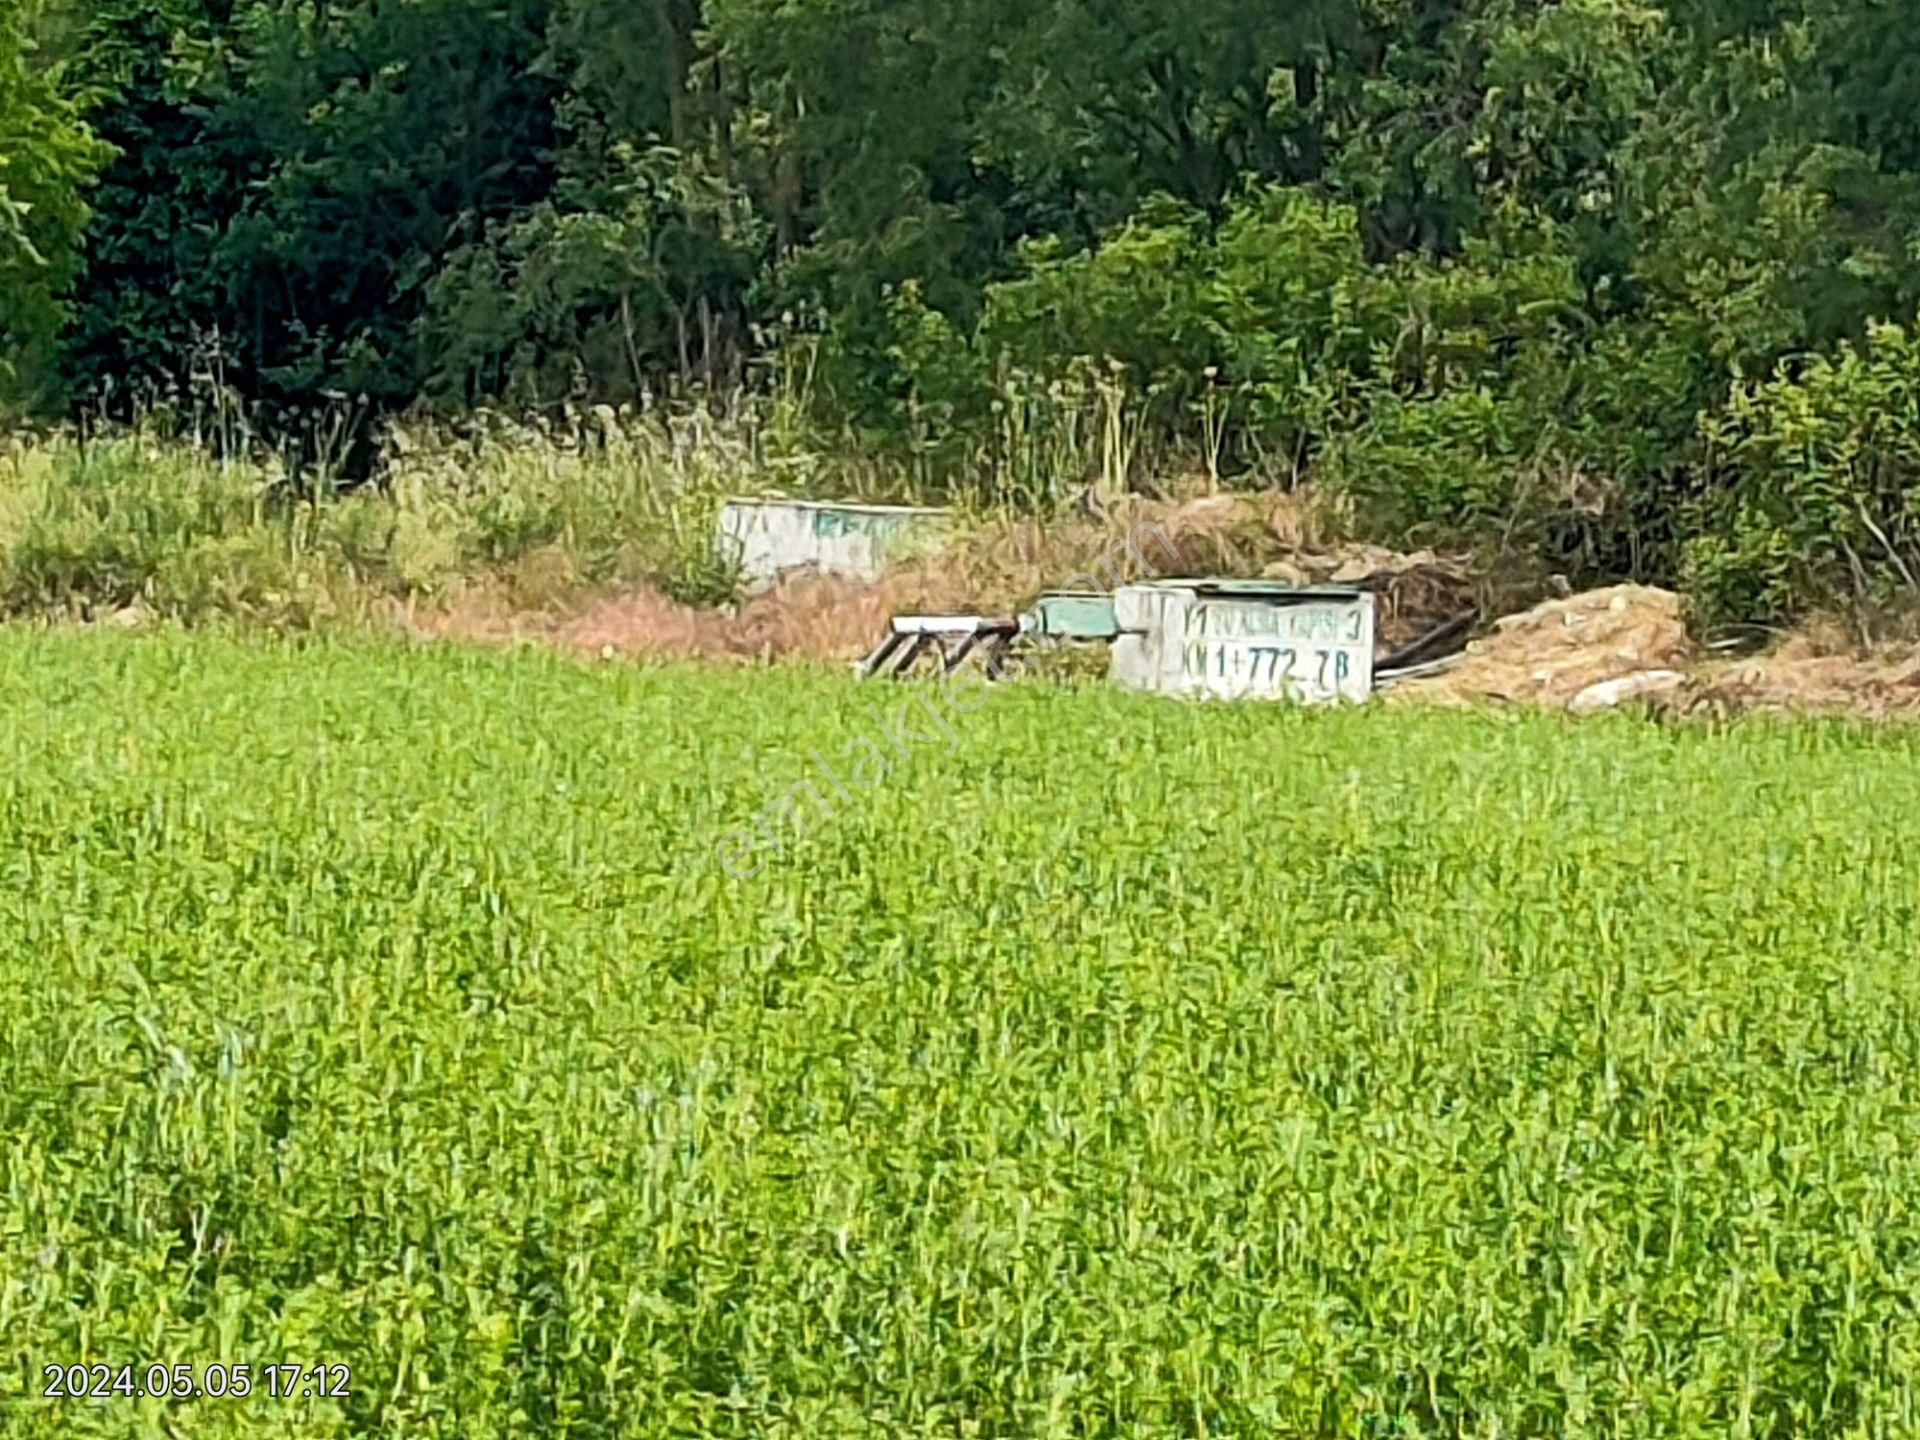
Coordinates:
1244 641
768 538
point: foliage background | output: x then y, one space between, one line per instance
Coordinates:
1552 276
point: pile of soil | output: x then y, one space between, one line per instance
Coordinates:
1805 676
1629 645
803 616
1586 651
1416 593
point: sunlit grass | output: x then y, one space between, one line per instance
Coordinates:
1122 1068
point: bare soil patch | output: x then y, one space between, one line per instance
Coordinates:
1629 645
1803 677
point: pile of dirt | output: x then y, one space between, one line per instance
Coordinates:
1806 676
1629 644
1587 651
811 616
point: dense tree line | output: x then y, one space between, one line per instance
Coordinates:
1631 281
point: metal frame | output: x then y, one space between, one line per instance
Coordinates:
953 638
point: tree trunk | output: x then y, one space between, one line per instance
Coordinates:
676 51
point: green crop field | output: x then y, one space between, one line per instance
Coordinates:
1061 1063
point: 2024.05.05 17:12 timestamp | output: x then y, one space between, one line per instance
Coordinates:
215 1381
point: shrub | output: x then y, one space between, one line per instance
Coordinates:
1812 492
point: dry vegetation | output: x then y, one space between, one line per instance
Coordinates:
597 535
151 528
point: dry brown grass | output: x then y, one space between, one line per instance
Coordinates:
997 566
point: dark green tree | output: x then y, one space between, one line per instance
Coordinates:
47 159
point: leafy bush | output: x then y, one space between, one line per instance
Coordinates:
1257 318
1812 490
102 524
1437 467
47 161
1268 339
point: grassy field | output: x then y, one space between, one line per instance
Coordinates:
1112 1068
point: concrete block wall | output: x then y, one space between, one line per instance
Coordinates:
769 538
